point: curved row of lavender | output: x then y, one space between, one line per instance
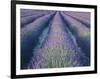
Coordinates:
54 39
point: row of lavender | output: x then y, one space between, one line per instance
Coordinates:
52 39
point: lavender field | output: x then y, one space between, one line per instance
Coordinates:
54 39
